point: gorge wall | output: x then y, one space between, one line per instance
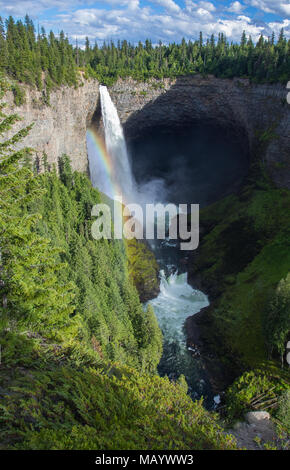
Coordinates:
59 128
256 114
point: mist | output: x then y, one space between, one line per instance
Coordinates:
195 165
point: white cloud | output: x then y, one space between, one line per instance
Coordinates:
207 6
169 5
271 6
33 7
234 28
285 8
190 5
236 7
130 4
244 18
276 27
119 24
201 12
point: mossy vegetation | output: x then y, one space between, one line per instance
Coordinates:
283 412
243 257
143 269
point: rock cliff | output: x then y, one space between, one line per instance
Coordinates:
258 115
61 127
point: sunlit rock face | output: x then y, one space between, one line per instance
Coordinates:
59 128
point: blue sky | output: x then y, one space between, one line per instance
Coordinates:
165 20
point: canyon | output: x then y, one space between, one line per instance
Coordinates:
257 115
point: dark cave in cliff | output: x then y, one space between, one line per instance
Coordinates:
194 162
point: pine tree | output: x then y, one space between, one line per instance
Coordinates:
243 40
48 62
30 291
277 321
3 48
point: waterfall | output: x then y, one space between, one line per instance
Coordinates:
110 168
116 146
177 301
111 173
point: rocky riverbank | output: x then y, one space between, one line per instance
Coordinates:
219 376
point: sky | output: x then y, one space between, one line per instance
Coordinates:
159 20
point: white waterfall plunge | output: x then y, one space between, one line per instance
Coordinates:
177 301
116 146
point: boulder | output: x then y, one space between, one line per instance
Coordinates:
255 417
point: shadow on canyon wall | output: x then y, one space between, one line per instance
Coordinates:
189 147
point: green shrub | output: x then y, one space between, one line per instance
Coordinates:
19 94
254 390
277 318
283 412
54 405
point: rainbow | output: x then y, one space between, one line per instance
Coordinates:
103 164
103 177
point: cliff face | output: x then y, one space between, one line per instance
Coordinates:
256 114
61 127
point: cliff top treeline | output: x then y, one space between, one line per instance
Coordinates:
47 61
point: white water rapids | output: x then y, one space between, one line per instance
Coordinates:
175 303
177 299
